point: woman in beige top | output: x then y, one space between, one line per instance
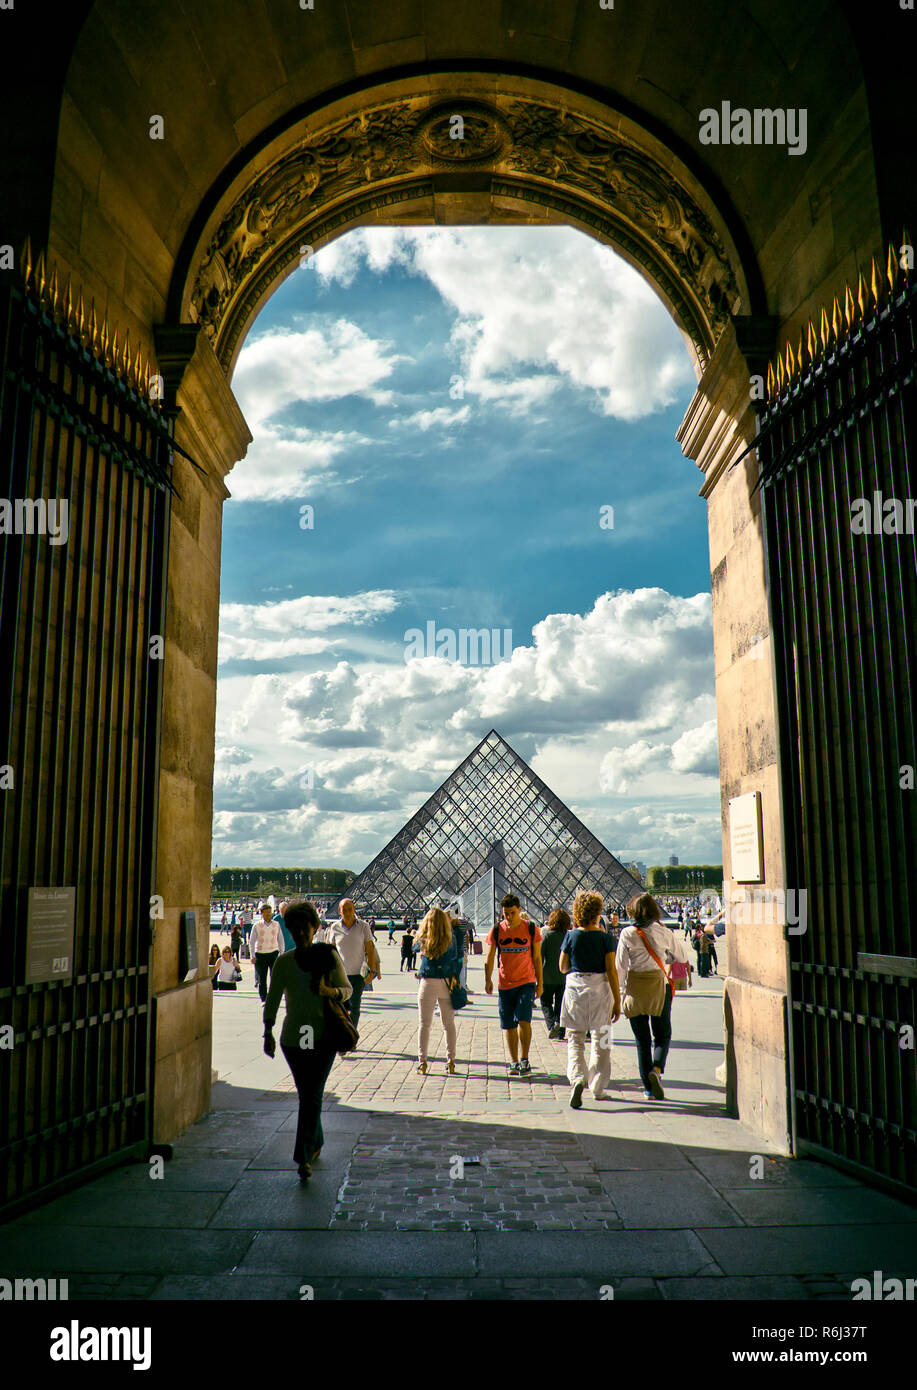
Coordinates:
645 950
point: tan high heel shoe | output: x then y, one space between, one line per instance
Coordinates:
450 1069
421 1068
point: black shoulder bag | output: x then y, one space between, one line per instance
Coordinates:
340 1033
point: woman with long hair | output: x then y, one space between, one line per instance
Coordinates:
305 977
440 942
591 998
645 951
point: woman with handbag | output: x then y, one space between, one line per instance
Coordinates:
228 973
644 952
591 999
440 942
314 985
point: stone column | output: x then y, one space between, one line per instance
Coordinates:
209 425
717 427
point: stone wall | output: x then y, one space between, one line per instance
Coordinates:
210 427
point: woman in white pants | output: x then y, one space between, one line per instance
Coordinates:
592 999
441 961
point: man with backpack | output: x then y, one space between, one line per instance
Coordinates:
516 943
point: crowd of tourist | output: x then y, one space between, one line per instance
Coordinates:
587 973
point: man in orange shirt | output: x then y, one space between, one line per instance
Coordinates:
517 944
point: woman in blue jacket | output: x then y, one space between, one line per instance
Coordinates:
441 960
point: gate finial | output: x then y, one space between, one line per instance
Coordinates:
811 343
849 313
862 295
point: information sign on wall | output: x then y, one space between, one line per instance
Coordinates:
49 935
745 839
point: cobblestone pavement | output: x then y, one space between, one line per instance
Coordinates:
415 1176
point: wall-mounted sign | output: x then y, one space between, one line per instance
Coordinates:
745 839
49 935
187 945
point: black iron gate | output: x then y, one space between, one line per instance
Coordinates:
836 453
79 730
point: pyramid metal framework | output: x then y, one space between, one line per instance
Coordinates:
491 817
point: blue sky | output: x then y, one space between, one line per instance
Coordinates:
461 408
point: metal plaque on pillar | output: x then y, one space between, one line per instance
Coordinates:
745 838
49 935
187 946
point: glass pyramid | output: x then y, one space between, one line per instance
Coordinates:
492 828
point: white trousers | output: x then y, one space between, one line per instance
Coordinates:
598 1072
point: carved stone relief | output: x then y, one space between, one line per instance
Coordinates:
544 147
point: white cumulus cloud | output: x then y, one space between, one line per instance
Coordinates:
286 627
512 289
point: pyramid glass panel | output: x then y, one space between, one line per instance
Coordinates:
493 827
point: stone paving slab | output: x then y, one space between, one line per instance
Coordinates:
836 1206
158 1205
372 1254
268 1200
277 1153
812 1249
610 1153
601 1254
228 1288
685 1199
182 1173
757 1288
734 1171
129 1249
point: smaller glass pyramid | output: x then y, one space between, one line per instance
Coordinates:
492 828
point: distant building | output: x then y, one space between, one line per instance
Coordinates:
673 861
641 870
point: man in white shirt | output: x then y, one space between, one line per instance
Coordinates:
353 939
266 943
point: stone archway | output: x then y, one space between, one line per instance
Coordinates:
528 152
574 114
